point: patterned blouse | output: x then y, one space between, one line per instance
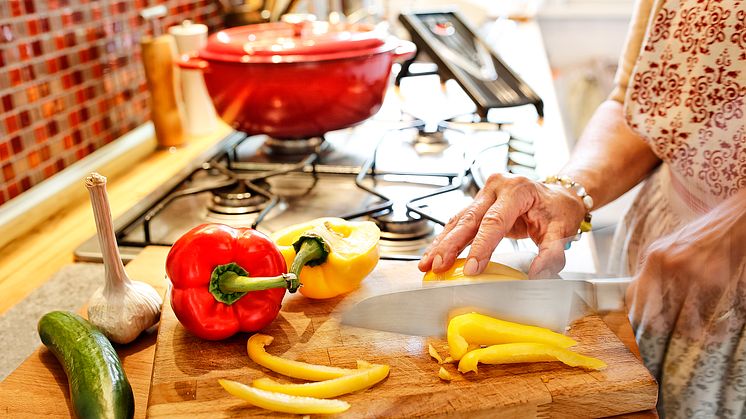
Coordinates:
682 80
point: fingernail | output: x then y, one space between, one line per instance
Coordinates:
471 267
437 262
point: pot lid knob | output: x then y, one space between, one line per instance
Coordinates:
302 23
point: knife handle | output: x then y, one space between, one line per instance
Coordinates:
609 293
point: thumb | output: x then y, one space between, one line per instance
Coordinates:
551 258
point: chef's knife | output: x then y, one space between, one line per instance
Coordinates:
550 303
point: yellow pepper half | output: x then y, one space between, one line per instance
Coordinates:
510 353
279 402
330 388
493 272
296 369
331 256
478 329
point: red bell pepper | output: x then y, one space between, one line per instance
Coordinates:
226 280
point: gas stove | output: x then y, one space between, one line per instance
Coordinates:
407 172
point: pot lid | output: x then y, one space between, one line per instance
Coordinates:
294 41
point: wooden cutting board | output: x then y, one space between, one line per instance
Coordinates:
186 368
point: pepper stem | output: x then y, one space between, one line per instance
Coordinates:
230 282
309 250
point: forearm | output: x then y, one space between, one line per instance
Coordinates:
609 158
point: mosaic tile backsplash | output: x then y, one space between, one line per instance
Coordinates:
71 79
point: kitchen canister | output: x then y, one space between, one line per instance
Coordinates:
201 118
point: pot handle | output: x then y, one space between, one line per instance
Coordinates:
192 62
404 51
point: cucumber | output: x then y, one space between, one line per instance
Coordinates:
98 385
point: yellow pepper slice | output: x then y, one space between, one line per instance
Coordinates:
330 388
279 402
444 374
433 353
511 353
493 272
478 329
331 255
296 369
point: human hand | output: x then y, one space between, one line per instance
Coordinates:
515 207
691 277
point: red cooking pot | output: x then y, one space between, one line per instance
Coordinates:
298 79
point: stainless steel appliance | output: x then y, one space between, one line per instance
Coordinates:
406 171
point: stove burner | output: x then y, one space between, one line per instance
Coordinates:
280 147
237 199
400 228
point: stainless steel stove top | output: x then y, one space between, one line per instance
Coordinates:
408 176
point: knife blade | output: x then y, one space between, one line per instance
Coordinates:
550 303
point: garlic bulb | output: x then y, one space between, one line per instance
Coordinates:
122 308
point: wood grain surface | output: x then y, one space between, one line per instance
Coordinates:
186 368
38 388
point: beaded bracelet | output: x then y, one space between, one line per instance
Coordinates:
579 190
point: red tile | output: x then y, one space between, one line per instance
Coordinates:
33 160
52 65
77 77
49 171
68 142
13 190
2 197
36 48
4 152
8 172
16 145
44 24
7 103
52 128
15 77
29 5
40 134
70 39
32 94
15 7
59 164
23 51
11 124
63 61
25 118
25 183
59 42
73 119
77 137
33 27
45 153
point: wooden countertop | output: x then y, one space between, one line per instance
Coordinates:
41 382
27 262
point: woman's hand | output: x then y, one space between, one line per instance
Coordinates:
509 206
694 276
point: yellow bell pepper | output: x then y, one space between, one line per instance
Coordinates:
510 353
279 402
330 388
493 272
331 256
296 369
478 329
444 374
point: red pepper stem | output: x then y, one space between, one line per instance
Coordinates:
230 282
311 250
